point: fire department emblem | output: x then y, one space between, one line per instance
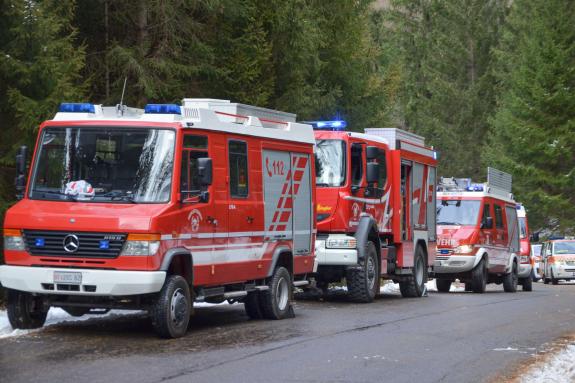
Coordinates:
355 211
195 218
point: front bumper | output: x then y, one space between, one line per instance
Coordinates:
94 282
563 272
334 257
453 264
525 270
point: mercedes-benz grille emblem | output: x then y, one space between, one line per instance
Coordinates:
71 243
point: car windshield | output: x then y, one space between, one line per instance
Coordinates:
330 163
564 247
457 212
104 164
536 249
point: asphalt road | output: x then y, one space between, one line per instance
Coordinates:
455 337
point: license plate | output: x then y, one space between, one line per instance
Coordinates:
67 277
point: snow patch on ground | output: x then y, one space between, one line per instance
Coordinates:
393 288
55 316
558 369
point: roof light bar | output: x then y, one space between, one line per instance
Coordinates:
162 109
475 187
71 107
335 125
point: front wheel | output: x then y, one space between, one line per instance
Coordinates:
415 286
25 311
172 309
479 277
363 283
527 284
554 280
510 280
276 300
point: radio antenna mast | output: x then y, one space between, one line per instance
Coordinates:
120 108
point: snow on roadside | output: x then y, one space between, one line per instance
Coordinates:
558 369
393 288
55 316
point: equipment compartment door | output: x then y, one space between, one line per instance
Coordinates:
277 180
302 206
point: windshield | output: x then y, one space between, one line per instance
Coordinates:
330 163
564 248
536 249
457 212
522 228
101 164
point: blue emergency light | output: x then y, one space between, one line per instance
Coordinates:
336 125
40 242
163 109
71 107
104 245
475 187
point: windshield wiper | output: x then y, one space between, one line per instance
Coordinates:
322 184
448 223
119 196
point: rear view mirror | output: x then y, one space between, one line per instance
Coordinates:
534 237
20 181
204 167
371 152
487 223
372 174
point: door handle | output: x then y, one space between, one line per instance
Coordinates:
212 220
250 219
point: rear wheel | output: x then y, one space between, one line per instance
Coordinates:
363 283
172 309
25 311
479 277
276 300
510 280
415 286
443 285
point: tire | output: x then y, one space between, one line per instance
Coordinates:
25 311
527 284
76 311
554 280
252 305
363 283
276 300
415 286
443 285
172 310
533 277
510 280
479 277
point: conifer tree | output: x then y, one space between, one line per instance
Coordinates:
532 132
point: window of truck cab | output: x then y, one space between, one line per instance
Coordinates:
119 164
195 146
238 168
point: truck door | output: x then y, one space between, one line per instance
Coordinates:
242 212
203 229
357 166
500 233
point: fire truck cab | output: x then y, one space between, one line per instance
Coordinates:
375 209
154 209
477 233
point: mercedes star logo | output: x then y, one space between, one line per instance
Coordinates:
71 243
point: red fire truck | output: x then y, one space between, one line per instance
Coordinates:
155 209
375 209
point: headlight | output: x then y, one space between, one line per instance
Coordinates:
341 243
13 240
141 244
464 249
524 258
559 262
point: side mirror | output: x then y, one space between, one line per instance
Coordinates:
20 181
372 173
204 167
534 237
371 152
487 223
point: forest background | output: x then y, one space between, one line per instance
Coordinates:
487 82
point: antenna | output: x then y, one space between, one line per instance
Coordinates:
120 108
